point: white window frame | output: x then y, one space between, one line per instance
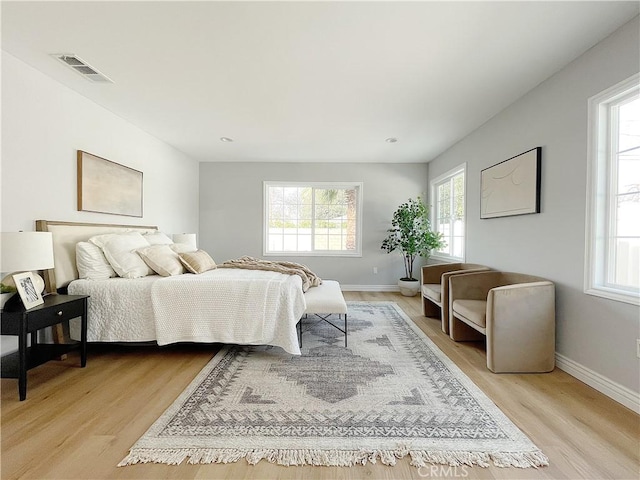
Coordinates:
598 224
433 188
315 253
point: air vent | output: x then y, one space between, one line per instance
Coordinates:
83 68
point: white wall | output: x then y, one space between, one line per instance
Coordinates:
594 332
43 125
231 210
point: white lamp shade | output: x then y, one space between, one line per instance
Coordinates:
26 251
186 238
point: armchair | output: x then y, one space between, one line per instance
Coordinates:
435 288
515 312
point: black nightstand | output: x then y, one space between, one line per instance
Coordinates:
56 309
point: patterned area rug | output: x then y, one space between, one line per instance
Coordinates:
391 393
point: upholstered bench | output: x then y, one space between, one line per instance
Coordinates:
323 301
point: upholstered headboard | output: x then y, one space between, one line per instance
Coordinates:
65 237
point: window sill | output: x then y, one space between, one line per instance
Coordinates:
311 254
446 259
612 294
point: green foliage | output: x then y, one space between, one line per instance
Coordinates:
411 234
7 288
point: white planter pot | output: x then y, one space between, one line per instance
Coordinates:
409 288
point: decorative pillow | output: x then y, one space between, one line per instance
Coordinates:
101 240
182 248
197 262
120 251
91 262
161 259
157 238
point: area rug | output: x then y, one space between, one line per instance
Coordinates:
391 393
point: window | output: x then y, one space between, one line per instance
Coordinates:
448 212
315 218
612 267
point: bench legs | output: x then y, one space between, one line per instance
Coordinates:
326 319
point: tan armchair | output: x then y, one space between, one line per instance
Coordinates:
515 312
435 288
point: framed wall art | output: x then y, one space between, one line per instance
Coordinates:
108 187
512 187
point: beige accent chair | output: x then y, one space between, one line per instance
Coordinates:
515 312
435 288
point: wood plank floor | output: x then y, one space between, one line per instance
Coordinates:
79 423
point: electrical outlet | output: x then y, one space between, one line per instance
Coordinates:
638 347
375 272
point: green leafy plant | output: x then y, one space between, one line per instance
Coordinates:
7 288
411 234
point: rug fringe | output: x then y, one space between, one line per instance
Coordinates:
335 458
533 459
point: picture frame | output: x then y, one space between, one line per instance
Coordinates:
512 187
29 295
108 187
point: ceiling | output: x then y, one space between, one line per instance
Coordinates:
308 81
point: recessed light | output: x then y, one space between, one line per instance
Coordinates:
391 140
226 139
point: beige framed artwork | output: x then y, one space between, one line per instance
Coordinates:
108 187
512 187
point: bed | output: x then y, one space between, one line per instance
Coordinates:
218 306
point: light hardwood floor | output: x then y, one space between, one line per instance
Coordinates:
79 423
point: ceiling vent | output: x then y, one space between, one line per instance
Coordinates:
83 68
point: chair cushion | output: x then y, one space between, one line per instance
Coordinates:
473 310
433 291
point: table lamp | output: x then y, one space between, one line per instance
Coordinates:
186 238
24 252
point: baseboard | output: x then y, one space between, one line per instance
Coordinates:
611 389
369 288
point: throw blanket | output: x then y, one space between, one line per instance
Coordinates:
229 306
309 279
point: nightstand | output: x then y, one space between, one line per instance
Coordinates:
55 310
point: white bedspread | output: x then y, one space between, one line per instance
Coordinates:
119 309
219 306
229 306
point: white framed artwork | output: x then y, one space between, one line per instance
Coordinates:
27 290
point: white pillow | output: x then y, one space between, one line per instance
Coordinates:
162 260
120 251
182 248
91 262
157 238
101 240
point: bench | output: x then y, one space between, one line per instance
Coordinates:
323 301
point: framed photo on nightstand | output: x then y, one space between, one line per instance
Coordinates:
29 295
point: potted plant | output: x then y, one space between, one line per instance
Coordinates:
411 235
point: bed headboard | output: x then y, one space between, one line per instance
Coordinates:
65 237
